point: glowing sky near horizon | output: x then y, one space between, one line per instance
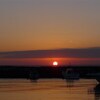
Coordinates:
49 24
50 61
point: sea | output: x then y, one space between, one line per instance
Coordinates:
49 89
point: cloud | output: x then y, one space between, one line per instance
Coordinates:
61 53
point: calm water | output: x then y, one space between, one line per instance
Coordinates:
49 89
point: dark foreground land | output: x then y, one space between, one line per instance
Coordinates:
91 72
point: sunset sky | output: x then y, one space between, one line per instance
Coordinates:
46 25
49 24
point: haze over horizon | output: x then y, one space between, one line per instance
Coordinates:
93 52
86 56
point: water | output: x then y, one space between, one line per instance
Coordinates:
48 89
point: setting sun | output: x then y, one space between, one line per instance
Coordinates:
55 63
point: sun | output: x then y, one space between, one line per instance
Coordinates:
55 63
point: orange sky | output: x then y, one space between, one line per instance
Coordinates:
49 24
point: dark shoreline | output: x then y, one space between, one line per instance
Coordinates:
45 71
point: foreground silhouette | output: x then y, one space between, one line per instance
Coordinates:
64 72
